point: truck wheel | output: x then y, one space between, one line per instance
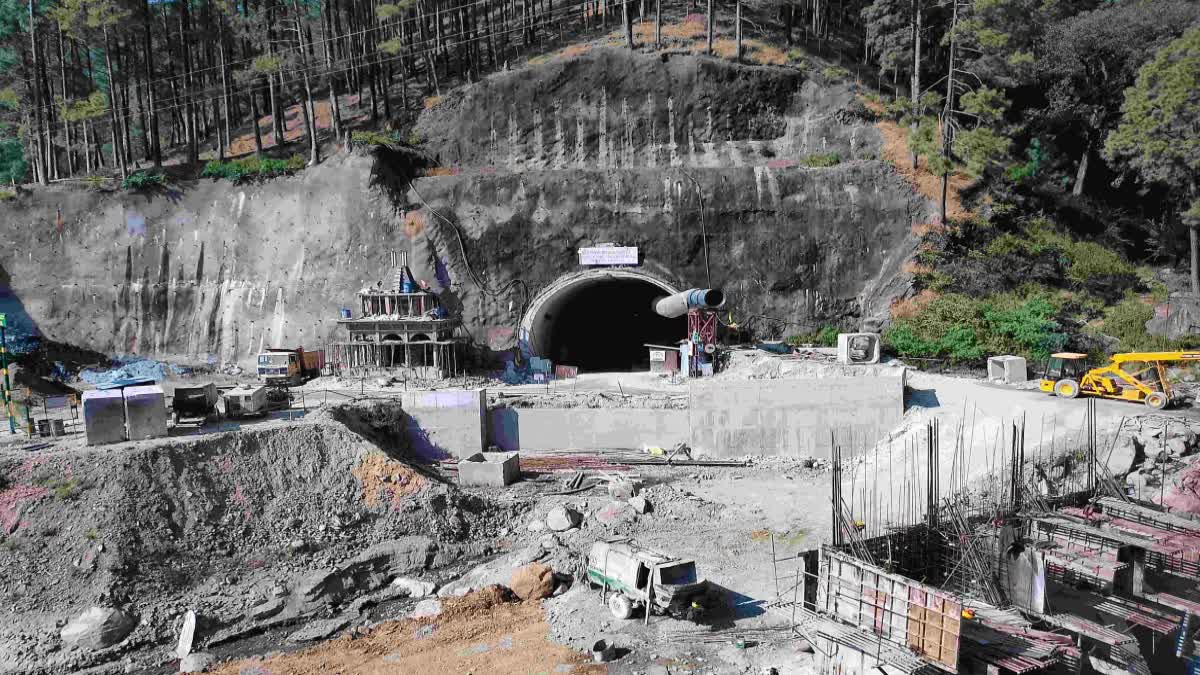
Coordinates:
620 606
1156 400
1066 388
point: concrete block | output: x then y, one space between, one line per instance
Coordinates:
1007 369
104 416
446 422
858 348
145 412
496 469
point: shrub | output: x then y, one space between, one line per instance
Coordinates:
821 160
251 168
962 328
826 337
141 180
835 73
6 195
390 140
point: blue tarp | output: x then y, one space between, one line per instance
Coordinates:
128 371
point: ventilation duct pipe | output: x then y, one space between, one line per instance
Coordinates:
694 298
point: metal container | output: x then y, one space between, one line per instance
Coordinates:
345 312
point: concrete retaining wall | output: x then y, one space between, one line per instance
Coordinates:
791 417
446 422
546 429
794 417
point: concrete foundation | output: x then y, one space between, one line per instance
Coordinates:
445 423
495 469
104 416
549 429
145 412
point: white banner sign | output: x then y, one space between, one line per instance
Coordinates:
658 355
608 255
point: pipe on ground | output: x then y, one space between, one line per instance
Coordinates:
694 298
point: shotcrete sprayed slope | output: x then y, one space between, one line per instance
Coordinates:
699 162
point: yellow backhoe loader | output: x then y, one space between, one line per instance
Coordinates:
1140 377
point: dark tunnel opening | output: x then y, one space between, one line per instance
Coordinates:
605 325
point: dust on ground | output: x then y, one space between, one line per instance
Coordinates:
487 631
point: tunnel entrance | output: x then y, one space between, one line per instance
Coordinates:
602 321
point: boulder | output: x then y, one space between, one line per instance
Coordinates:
640 504
622 488
415 587
426 608
561 519
534 581
187 634
536 525
196 662
492 572
1120 461
613 513
98 628
1178 317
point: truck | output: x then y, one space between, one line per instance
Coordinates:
194 404
633 577
290 366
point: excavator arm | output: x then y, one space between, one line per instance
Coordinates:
1154 357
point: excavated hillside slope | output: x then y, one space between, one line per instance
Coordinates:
689 158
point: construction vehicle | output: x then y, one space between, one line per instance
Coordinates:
289 366
632 577
246 401
194 405
1136 376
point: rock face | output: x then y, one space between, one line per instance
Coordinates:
98 628
1179 317
204 271
415 588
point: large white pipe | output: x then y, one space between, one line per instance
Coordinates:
693 298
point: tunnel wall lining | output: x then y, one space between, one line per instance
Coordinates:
533 329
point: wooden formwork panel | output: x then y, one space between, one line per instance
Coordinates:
897 609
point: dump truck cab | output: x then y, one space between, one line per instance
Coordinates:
632 576
1067 368
279 366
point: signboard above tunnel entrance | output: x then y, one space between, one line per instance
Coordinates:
608 255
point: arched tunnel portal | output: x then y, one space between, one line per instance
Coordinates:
601 320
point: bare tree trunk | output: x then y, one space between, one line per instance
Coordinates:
1081 173
40 168
916 71
708 44
948 111
113 102
658 24
1194 243
737 52
628 23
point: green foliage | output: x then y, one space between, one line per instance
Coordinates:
383 12
90 108
897 109
988 104
9 99
141 180
252 168
826 337
7 195
267 64
835 73
63 489
1158 135
1126 321
1087 263
91 535
963 328
13 166
390 140
392 47
1021 172
95 181
820 160
980 147
77 17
